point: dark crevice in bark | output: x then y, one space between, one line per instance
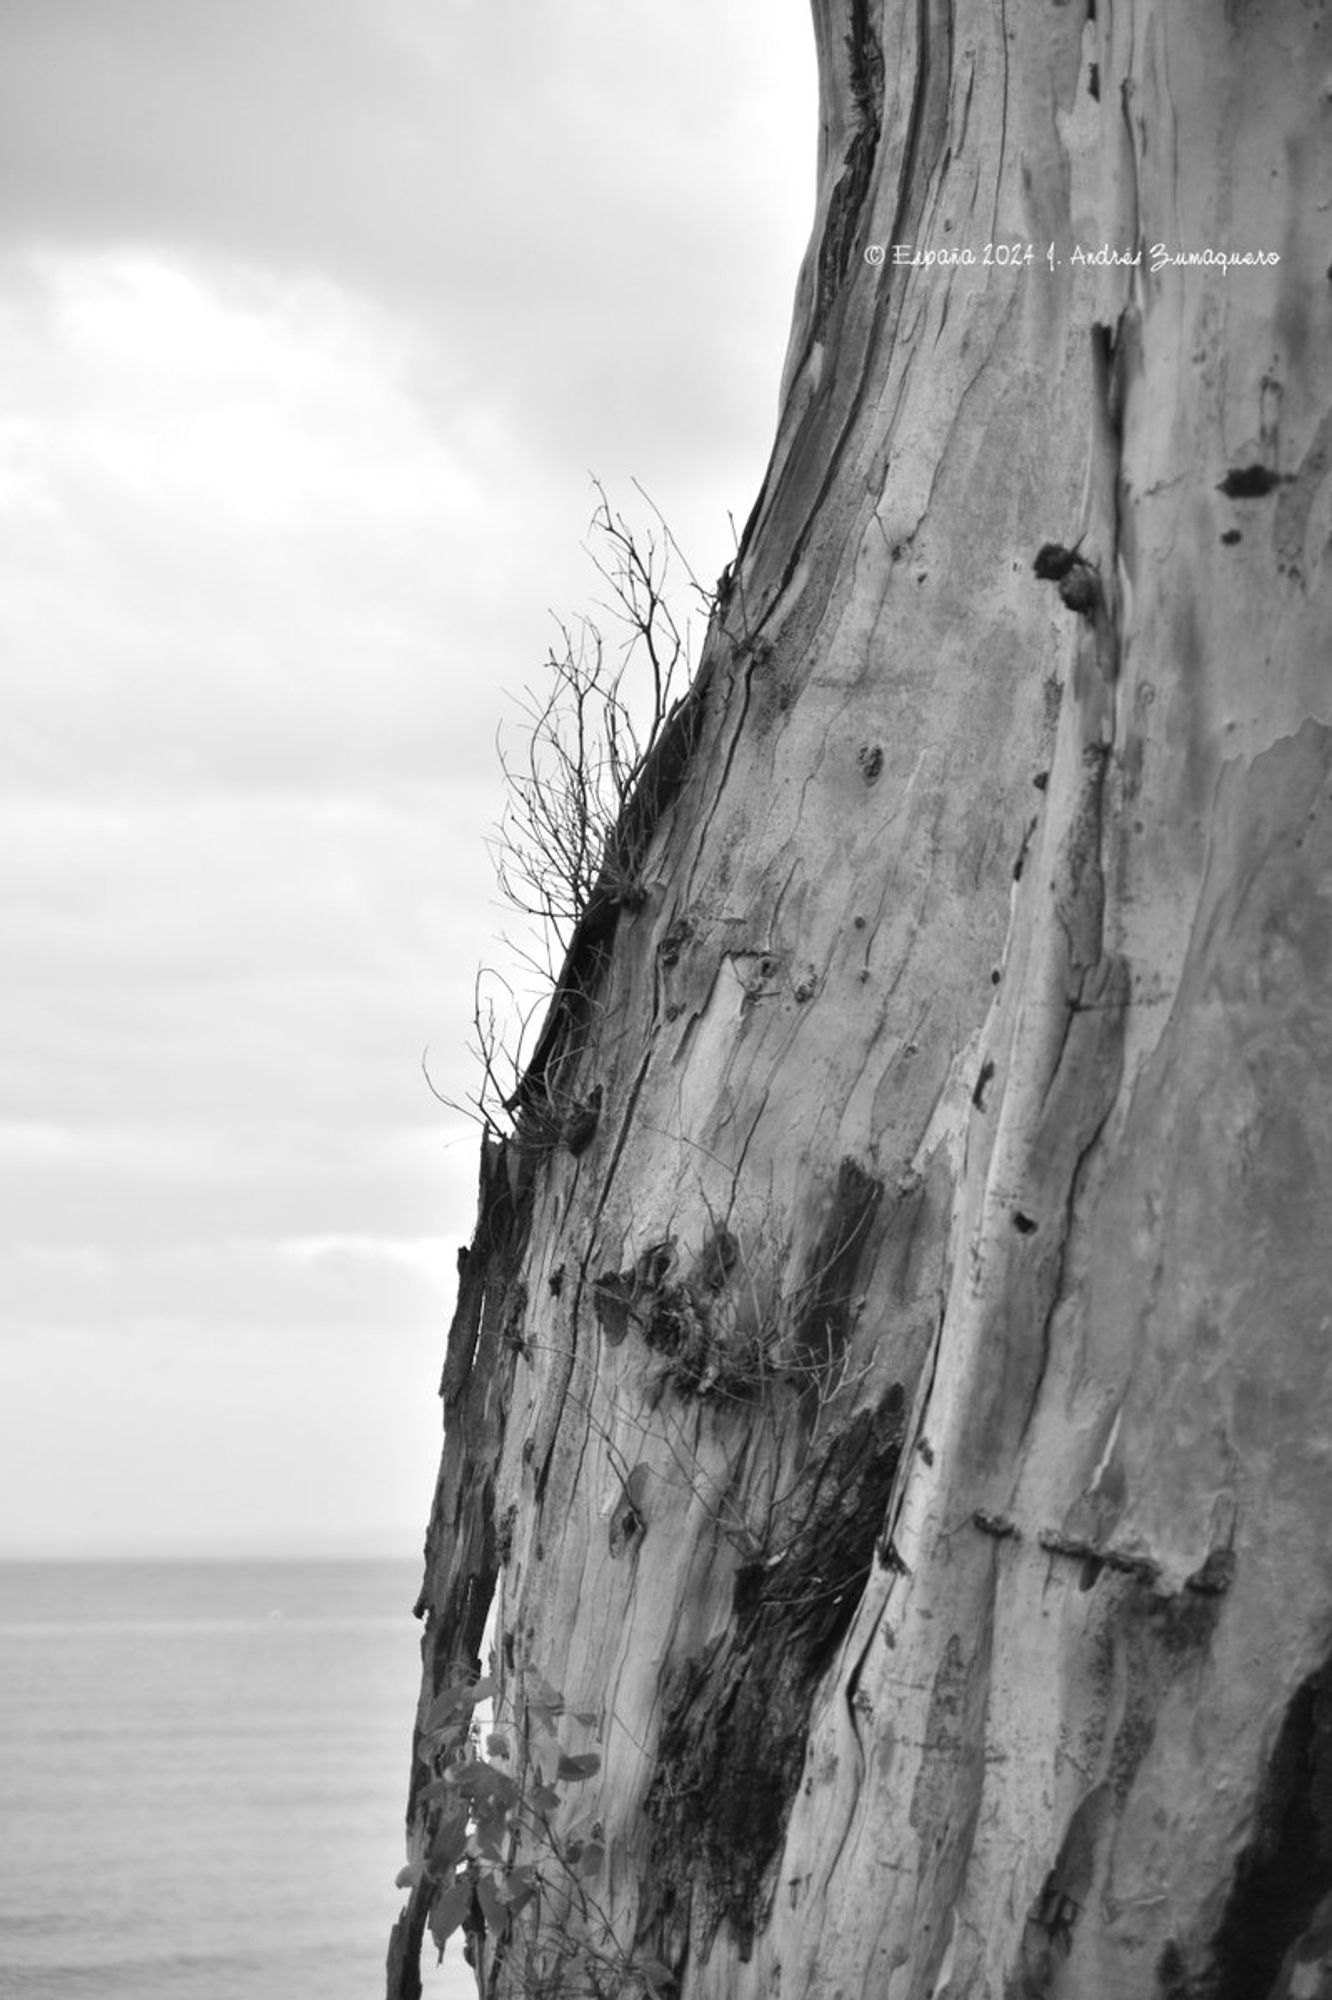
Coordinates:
736 1717
825 1324
836 249
1106 991
705 825
1287 1866
878 341
833 261
1052 1920
924 141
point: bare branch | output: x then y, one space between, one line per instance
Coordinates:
575 755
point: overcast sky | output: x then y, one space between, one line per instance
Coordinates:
315 316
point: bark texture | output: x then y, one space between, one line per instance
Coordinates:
904 1419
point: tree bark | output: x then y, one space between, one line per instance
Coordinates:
906 1421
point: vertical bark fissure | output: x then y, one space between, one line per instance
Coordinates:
865 65
723 776
1004 39
912 181
1283 1879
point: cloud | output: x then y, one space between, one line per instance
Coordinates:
282 1284
215 1023
313 321
538 188
228 537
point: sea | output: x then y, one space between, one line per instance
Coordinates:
203 1770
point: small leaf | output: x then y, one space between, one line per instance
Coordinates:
460 1698
587 1716
440 1712
449 1909
658 1976
514 1887
449 1844
480 1781
453 1700
591 1858
519 1897
408 1877
544 1798
492 1909
578 1767
456 1701
497 1744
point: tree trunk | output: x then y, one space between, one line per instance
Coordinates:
904 1423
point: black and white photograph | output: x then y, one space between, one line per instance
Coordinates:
666 1107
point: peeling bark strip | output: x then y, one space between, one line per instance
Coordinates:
941 1578
461 1551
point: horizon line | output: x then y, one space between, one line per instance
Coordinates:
388 1545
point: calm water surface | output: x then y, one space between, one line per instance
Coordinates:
202 1776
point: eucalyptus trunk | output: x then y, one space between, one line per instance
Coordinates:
889 1397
